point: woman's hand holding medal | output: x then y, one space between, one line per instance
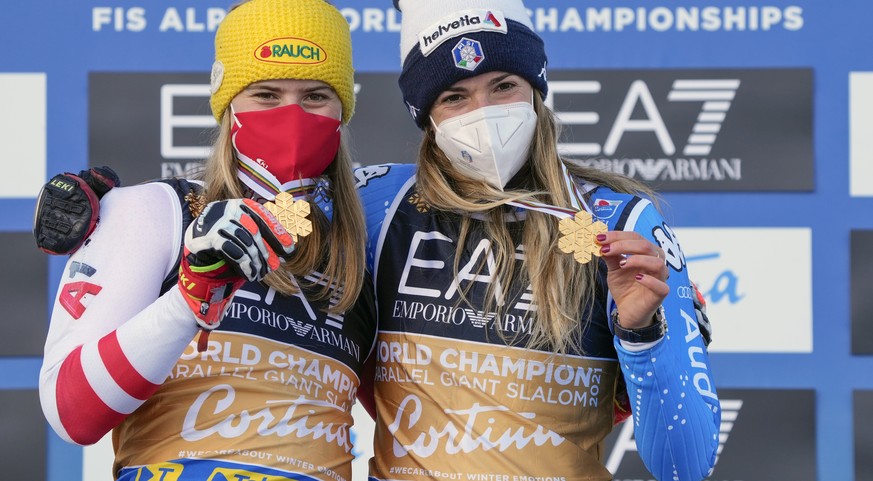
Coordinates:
637 276
230 241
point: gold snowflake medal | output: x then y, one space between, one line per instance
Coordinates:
578 229
292 214
579 236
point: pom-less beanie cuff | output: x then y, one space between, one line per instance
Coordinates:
445 41
519 51
282 39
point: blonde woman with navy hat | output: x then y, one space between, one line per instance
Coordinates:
218 328
526 305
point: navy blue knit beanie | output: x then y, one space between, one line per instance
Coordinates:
445 41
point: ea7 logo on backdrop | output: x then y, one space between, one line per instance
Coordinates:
149 125
690 130
625 442
715 96
764 434
172 119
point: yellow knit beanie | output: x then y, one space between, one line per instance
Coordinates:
278 39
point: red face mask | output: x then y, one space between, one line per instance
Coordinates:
282 145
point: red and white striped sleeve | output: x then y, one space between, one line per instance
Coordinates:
113 339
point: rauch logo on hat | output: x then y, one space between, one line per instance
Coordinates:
465 21
290 50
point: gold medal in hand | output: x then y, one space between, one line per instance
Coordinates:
578 236
292 214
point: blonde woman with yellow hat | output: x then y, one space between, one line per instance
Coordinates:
218 328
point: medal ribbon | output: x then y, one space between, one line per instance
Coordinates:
559 212
265 184
578 227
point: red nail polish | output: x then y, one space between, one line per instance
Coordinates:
604 249
622 262
601 237
639 277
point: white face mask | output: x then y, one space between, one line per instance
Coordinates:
490 143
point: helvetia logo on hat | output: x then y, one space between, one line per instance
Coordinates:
468 54
458 23
290 50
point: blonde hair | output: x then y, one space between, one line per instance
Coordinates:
342 264
563 290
